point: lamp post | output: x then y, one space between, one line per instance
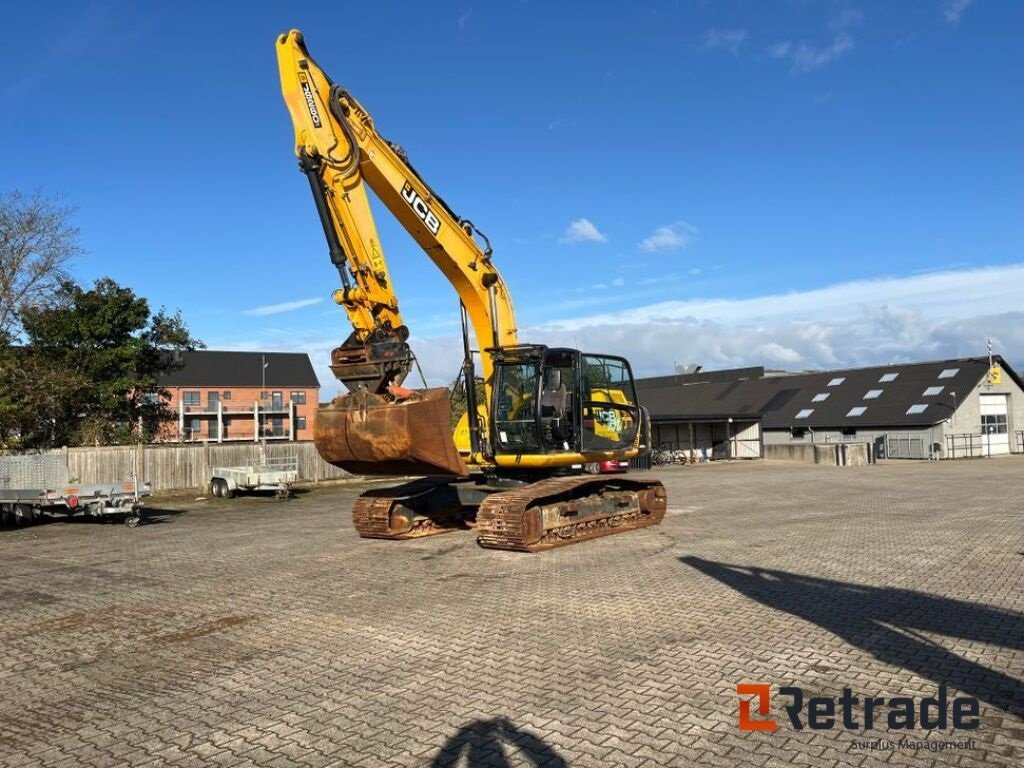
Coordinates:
263 390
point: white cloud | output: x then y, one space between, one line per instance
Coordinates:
864 322
804 57
953 10
673 237
723 39
561 122
276 309
582 231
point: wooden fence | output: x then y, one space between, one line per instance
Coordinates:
171 467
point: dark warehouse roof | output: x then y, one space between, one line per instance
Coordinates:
888 394
212 368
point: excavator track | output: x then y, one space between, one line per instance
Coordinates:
407 511
567 510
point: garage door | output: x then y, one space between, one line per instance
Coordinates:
994 426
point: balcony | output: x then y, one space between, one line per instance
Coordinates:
196 420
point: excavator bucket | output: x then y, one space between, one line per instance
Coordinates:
367 434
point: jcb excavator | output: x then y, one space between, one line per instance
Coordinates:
513 465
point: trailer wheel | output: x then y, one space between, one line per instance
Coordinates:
24 514
132 520
219 487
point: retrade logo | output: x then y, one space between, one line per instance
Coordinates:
762 693
854 712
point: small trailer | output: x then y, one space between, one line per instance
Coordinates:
275 474
38 486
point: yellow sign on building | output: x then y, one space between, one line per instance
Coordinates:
995 375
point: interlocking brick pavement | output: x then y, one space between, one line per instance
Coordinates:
256 632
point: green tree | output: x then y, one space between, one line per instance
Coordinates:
90 368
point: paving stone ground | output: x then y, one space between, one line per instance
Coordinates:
256 632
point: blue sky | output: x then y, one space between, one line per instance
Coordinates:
797 184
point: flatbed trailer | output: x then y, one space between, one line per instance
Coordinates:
275 474
39 486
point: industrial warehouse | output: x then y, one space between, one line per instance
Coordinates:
945 409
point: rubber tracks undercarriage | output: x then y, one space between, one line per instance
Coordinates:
528 518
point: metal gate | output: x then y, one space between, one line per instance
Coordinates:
906 446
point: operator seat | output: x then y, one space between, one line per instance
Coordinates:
554 399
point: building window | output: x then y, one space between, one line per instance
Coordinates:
848 431
225 395
190 397
299 397
932 391
805 413
857 411
797 432
276 401
300 422
872 394
820 398
151 398
192 427
213 429
994 423
886 378
837 381
949 373
916 409
277 426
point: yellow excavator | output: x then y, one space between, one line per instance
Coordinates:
534 417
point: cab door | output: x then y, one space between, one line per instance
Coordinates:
610 412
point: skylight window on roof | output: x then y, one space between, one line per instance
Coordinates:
933 391
872 394
916 409
857 411
837 381
805 413
886 378
820 397
949 373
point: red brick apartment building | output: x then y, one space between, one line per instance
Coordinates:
222 397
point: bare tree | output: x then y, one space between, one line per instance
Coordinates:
37 241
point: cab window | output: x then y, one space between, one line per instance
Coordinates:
610 411
515 407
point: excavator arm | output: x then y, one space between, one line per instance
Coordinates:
341 154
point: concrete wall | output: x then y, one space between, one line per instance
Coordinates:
903 443
833 454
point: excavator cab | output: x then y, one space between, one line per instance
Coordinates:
562 401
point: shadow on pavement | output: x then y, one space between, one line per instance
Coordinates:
484 743
886 622
151 516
